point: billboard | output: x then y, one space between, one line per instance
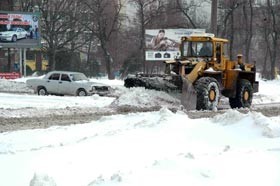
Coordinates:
19 30
163 44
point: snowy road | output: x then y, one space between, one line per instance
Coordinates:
153 148
28 111
20 112
138 137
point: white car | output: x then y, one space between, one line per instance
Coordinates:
66 83
13 34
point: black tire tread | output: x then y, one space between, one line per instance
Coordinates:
238 101
201 86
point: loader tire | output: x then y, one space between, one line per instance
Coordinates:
208 93
244 95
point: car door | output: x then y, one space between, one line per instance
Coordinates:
65 85
19 33
52 83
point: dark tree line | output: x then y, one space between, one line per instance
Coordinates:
107 34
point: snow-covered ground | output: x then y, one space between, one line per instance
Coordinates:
152 148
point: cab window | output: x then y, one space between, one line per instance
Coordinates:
197 49
218 52
225 50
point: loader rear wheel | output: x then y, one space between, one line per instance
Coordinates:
244 95
208 93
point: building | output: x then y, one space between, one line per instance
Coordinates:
10 58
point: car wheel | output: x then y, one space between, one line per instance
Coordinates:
14 38
81 92
42 91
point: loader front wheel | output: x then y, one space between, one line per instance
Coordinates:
244 95
208 93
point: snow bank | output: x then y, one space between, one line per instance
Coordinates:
270 126
106 81
141 97
16 101
42 180
153 148
14 86
268 92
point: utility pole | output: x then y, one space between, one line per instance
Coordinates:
214 9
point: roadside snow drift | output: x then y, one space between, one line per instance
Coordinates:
154 148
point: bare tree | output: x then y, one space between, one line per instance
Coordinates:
105 21
214 13
146 12
186 7
229 20
27 5
248 19
189 10
271 22
60 26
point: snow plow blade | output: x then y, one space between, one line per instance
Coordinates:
189 97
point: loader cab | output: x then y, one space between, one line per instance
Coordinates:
197 49
206 48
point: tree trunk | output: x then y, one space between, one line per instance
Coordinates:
231 36
274 37
264 71
142 40
52 61
109 61
214 9
249 30
273 57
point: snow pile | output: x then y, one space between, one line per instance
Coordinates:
153 148
16 101
141 97
42 180
106 81
231 116
14 86
268 92
270 127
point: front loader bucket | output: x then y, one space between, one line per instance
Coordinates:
189 97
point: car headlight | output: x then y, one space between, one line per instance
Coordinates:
92 88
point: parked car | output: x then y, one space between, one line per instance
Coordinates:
13 34
66 83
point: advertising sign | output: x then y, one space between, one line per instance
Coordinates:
19 30
163 44
9 75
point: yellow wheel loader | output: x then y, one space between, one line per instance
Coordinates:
203 73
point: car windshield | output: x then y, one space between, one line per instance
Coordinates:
13 29
197 49
78 77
